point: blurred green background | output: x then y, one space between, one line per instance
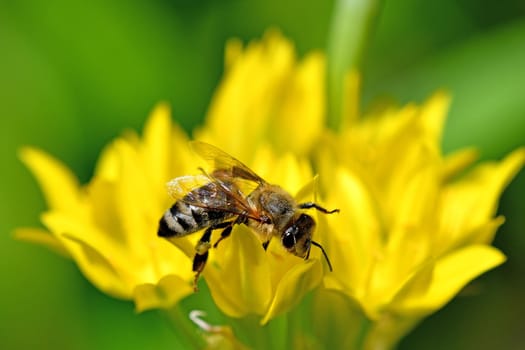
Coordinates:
73 75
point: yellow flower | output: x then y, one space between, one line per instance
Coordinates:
109 227
414 228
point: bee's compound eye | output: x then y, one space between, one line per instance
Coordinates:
289 237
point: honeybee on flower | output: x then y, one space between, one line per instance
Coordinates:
232 194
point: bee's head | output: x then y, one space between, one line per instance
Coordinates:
297 236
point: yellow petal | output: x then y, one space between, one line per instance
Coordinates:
157 139
308 191
107 165
299 280
165 151
43 237
167 292
417 169
59 185
232 52
356 234
239 280
433 115
485 233
409 242
470 202
414 197
298 120
482 234
248 106
449 275
98 268
458 161
104 208
133 188
103 262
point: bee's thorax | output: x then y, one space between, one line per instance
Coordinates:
277 204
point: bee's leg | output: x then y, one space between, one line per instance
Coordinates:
228 226
224 234
201 255
310 205
202 247
265 244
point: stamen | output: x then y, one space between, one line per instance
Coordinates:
195 317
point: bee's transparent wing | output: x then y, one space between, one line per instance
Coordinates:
211 193
223 165
179 187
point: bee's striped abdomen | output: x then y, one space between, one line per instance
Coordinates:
182 219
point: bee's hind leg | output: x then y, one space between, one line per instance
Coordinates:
202 247
201 255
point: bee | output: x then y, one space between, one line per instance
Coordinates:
232 194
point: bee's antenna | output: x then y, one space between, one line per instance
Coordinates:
324 253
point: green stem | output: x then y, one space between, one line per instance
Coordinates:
251 333
366 324
302 324
352 21
186 331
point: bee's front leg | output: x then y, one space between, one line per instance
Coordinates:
228 226
310 205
